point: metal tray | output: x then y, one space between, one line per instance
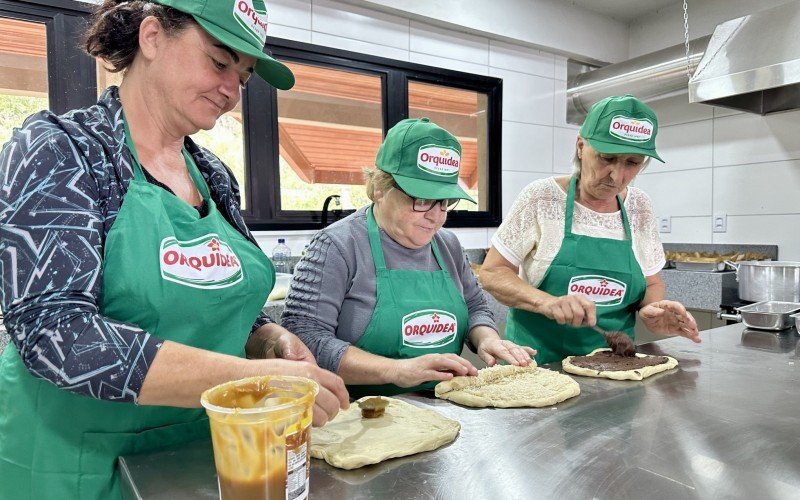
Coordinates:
700 266
796 321
769 314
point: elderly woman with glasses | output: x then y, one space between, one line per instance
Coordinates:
386 297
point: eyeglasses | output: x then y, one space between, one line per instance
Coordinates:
424 205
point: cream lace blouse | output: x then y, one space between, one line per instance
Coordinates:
531 234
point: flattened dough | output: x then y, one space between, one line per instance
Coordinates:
637 374
350 441
508 386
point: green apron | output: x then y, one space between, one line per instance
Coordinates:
192 280
416 313
603 270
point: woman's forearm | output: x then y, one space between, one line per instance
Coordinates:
361 367
180 373
656 290
509 289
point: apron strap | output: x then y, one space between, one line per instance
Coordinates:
571 205
377 251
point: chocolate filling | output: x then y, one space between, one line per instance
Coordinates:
620 344
606 361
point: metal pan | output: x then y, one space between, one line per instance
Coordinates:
700 266
769 314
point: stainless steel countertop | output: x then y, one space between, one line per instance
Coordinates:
725 424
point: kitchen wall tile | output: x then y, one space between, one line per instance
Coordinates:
683 147
563 149
719 112
778 230
443 62
749 138
289 33
560 68
683 193
359 46
357 23
294 13
526 98
761 188
677 109
471 237
527 148
490 234
521 59
688 230
515 182
442 42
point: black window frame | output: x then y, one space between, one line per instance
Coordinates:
71 80
263 211
72 83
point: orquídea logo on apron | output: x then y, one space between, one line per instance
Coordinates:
204 262
601 290
429 328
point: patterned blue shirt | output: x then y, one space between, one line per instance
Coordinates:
62 182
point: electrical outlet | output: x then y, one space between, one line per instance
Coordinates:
665 224
720 223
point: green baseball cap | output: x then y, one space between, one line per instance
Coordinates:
622 125
424 160
240 25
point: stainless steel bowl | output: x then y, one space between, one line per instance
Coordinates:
769 314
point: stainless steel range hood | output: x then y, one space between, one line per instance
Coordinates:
752 63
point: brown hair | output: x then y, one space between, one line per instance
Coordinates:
113 34
377 180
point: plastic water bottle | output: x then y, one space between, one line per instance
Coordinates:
280 256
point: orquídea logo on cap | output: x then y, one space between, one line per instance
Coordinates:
204 262
252 19
601 290
630 129
429 328
439 160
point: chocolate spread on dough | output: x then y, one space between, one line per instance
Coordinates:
620 344
606 361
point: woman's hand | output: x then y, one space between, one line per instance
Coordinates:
414 371
573 310
332 395
494 348
667 317
289 346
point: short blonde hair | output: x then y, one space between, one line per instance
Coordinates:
377 180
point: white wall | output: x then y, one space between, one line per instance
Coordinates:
536 139
719 161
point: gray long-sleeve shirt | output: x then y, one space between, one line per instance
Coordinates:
332 295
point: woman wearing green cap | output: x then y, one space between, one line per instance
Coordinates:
386 297
583 250
130 281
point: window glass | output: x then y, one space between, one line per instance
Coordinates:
463 113
225 140
330 128
23 73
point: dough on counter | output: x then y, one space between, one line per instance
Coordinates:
350 441
508 386
635 374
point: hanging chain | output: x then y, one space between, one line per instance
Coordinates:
686 38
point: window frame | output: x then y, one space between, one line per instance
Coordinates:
263 212
71 81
